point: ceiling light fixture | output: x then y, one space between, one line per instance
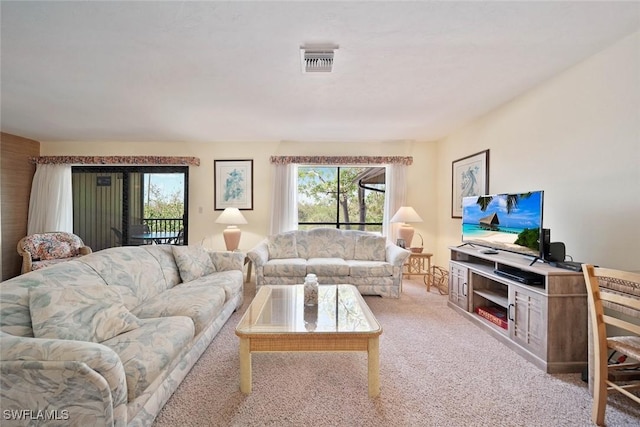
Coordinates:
317 59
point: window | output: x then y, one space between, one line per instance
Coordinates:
344 197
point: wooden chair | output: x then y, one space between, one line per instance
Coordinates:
619 291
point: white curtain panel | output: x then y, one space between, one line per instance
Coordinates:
284 210
395 198
51 202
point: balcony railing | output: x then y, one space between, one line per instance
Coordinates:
164 224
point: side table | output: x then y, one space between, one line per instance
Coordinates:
249 264
416 264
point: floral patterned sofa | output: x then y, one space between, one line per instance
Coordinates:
368 261
105 339
44 249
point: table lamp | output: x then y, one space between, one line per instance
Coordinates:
405 215
233 217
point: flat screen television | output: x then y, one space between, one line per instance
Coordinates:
508 222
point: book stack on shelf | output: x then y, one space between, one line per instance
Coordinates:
494 315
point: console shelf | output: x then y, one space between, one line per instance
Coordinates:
546 319
500 298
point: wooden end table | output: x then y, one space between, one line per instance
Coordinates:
416 264
249 264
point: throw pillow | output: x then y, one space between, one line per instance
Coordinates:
371 248
82 313
193 262
282 246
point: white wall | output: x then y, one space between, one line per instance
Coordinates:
202 226
577 137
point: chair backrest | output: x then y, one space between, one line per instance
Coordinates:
137 229
118 235
53 245
616 290
180 239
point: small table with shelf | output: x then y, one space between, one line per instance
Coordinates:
546 321
416 264
432 275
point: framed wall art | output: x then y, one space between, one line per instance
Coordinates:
470 177
233 184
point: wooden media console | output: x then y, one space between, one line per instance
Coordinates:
545 307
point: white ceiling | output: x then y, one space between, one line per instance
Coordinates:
230 71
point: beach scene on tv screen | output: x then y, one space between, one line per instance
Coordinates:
503 221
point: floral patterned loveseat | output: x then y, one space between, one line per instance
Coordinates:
368 261
105 339
44 249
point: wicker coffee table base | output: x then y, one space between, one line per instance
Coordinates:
312 342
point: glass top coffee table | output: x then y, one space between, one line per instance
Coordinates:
278 321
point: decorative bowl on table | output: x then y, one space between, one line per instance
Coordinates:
416 250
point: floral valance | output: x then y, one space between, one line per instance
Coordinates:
117 160
343 160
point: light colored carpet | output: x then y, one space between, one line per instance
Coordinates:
436 369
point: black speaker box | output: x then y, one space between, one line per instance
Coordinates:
557 252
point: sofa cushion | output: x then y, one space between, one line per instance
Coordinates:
328 267
15 317
371 248
130 269
325 243
282 246
38 265
147 352
193 261
288 267
81 313
201 304
164 255
230 281
370 268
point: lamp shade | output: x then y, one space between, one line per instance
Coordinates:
406 214
231 216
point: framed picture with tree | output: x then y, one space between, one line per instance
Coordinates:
469 177
233 184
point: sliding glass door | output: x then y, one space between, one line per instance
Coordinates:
130 205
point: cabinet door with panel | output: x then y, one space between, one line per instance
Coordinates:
459 285
528 320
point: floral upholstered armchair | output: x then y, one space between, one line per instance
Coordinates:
43 249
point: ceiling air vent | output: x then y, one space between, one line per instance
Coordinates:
317 59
